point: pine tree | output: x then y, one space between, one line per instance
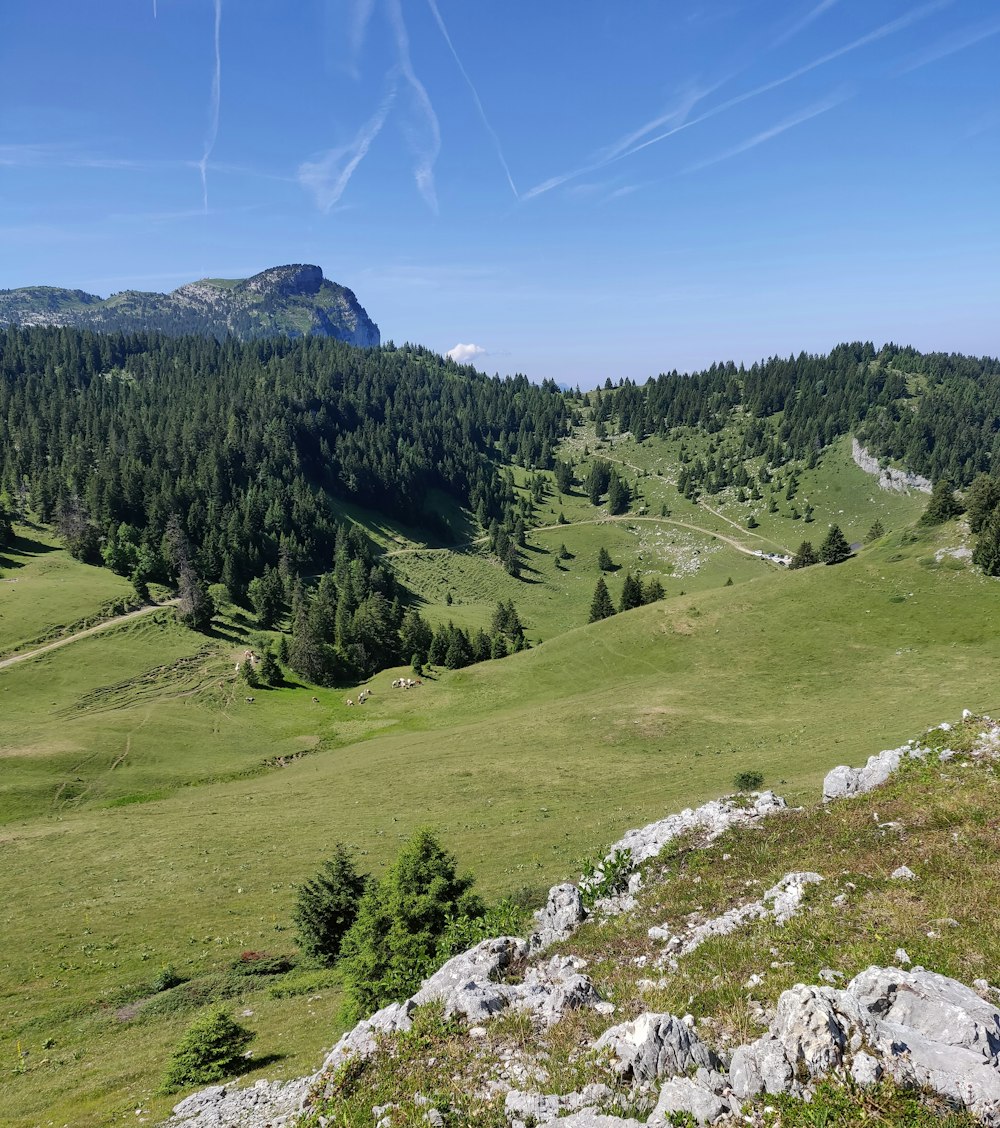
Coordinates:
631 593
805 556
604 561
835 548
943 504
327 905
601 606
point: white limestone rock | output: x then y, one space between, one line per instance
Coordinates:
655 1045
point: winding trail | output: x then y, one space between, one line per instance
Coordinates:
630 517
106 625
606 520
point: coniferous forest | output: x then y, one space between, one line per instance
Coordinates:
191 461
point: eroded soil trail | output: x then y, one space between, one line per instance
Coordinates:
106 625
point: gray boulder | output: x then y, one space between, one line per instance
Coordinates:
760 1067
466 983
922 1029
362 1040
654 1046
711 819
542 1107
696 1095
843 782
554 989
588 1118
265 1104
558 920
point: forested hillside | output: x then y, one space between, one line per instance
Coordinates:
247 444
935 412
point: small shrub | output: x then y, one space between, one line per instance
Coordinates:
608 877
261 963
748 781
166 979
212 1049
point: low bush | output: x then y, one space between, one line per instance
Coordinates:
211 1049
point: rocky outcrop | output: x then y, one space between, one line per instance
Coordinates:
294 300
923 1030
655 1046
898 481
844 782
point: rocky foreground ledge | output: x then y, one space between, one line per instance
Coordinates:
907 1024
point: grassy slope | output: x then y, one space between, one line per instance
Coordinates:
525 767
42 586
938 819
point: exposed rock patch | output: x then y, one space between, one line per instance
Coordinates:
897 481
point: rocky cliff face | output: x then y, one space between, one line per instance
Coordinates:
295 300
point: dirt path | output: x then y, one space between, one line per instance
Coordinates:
703 505
629 517
107 624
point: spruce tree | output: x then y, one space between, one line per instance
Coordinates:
619 495
987 551
604 561
601 606
876 531
392 943
943 504
981 499
805 556
835 548
631 593
327 906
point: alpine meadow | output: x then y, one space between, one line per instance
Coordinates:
499 562
266 602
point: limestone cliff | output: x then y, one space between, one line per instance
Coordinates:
294 300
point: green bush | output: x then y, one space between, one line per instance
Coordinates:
464 932
166 979
212 1048
748 781
261 963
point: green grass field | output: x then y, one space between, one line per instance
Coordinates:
149 820
43 589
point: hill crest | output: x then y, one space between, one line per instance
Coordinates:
294 299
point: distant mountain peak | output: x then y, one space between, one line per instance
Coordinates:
294 300
297 278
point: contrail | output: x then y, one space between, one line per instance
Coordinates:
327 178
887 29
872 37
969 37
359 25
475 95
213 109
800 25
759 138
425 153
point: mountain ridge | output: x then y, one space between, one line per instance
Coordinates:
293 299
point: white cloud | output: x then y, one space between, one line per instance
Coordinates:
465 354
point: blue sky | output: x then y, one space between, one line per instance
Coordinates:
575 189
